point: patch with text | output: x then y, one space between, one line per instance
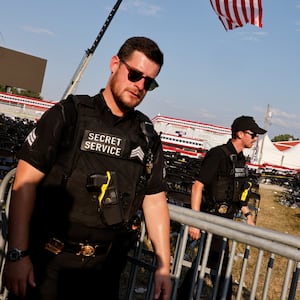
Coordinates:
104 143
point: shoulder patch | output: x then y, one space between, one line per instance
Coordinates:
31 138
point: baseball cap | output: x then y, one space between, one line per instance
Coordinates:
243 123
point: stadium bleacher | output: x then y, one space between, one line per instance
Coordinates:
13 132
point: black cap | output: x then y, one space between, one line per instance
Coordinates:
246 123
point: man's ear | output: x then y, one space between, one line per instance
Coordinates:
238 134
114 63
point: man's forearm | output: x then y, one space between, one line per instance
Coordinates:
157 219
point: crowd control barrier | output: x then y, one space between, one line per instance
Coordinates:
255 253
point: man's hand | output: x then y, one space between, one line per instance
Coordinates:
194 233
17 275
163 285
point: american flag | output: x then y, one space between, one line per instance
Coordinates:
236 13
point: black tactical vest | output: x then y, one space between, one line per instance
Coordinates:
101 171
228 188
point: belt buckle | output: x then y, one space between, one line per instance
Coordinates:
223 209
86 250
54 245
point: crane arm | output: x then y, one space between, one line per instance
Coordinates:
89 53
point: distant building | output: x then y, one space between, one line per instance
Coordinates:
23 107
187 138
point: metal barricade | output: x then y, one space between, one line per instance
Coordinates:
5 192
261 248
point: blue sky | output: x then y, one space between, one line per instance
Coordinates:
209 75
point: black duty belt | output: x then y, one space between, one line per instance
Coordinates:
85 249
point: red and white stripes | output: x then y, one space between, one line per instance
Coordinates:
236 13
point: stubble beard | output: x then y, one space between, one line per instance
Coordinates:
121 103
117 95
118 99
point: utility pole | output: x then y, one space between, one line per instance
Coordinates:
266 123
89 53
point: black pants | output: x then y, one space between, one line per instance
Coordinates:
69 276
212 263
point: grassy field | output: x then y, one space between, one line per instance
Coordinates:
275 216
280 218
271 215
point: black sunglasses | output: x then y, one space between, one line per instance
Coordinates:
134 75
253 135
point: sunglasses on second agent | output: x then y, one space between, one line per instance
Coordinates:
134 76
252 134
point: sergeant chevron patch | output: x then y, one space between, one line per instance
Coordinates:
138 153
31 137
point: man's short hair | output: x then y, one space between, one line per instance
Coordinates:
144 45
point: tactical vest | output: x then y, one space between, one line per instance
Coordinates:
100 174
224 195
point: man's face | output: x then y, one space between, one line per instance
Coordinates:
249 138
126 93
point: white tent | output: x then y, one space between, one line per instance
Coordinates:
267 153
291 157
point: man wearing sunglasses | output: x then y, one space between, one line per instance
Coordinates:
86 170
221 188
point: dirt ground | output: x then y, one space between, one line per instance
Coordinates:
271 215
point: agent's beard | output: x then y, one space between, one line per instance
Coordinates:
118 100
122 106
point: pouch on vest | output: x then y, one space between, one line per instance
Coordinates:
111 203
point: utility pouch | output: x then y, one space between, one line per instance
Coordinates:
110 202
110 208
